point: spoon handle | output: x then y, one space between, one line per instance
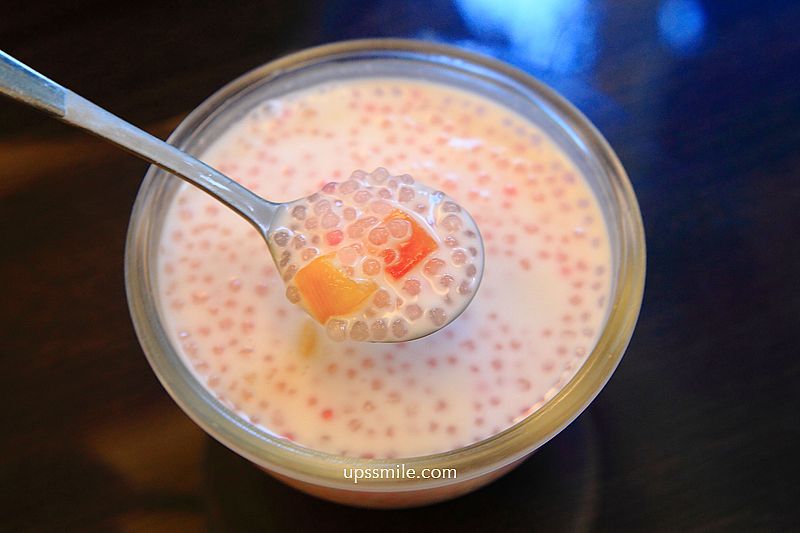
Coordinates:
24 84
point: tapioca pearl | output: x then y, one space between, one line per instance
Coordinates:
421 208
349 254
298 241
281 237
450 241
412 286
286 256
458 256
355 424
399 328
510 238
380 207
349 213
336 329
446 281
471 270
568 334
362 196
379 175
469 234
371 267
292 294
406 194
289 273
200 297
384 193
434 266
308 254
438 316
451 207
329 220
379 329
413 312
398 228
349 186
381 298
357 229
405 179
311 223
359 331
314 197
379 235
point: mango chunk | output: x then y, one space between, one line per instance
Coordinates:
412 251
327 291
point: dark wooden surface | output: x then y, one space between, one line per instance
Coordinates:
697 430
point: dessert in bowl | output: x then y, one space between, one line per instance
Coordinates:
561 289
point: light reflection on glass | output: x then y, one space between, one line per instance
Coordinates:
556 35
681 24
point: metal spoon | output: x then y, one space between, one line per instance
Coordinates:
277 222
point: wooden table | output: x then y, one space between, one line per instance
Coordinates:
697 430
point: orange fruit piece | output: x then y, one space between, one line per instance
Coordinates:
328 292
412 251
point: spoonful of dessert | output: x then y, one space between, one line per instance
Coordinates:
377 258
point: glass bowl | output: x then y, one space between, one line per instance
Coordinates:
321 473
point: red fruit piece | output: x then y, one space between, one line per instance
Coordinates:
412 251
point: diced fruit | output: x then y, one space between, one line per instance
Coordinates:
307 342
328 292
412 251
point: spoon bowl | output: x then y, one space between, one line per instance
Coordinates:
400 260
